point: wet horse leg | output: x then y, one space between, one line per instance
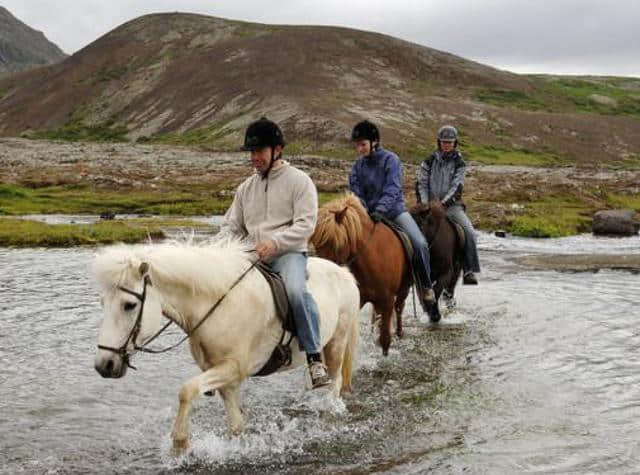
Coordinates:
386 309
231 399
334 352
218 377
399 308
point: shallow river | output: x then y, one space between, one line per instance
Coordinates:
535 372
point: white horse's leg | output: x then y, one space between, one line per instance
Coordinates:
219 376
334 353
235 418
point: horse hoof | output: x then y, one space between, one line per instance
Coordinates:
180 447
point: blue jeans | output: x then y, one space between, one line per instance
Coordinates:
292 267
472 262
420 246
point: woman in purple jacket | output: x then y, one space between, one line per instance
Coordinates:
376 178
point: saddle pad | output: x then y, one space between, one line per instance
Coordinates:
462 237
404 239
283 310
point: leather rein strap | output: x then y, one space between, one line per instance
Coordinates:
133 334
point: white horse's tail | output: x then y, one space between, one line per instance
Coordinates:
350 353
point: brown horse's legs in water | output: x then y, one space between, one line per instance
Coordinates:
385 309
399 307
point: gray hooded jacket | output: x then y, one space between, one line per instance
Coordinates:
441 177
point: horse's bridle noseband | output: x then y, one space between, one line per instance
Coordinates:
133 334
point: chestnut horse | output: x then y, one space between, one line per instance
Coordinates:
446 253
346 235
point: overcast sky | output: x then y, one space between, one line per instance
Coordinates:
529 36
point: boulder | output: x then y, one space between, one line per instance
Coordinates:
615 222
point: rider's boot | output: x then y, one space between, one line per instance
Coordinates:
469 278
448 300
429 296
317 371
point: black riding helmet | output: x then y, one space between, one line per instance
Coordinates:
365 130
263 133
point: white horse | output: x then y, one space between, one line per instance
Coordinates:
140 283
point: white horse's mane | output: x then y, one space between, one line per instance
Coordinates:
201 268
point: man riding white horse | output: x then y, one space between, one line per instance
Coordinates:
276 210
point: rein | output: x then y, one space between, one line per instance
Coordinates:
122 350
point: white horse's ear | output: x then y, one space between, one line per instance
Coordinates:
143 269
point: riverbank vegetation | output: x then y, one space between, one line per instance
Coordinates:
26 233
82 199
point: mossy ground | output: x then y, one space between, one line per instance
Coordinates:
82 199
603 95
25 233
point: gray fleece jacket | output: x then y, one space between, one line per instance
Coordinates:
282 207
441 177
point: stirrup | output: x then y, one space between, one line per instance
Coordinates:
469 278
318 374
429 296
448 300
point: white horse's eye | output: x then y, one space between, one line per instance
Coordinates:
128 306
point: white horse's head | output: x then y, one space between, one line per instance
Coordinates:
132 308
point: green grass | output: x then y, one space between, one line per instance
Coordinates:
489 155
308 147
618 200
578 91
559 224
569 94
24 233
76 130
73 199
630 162
554 215
508 98
214 136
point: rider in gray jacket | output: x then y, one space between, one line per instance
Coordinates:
440 181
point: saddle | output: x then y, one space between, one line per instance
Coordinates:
281 355
409 253
404 239
460 234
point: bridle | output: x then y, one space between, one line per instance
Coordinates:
122 350
133 334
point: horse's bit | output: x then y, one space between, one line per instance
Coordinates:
133 334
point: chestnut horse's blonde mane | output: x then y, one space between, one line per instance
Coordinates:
339 224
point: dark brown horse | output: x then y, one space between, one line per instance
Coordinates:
346 235
445 249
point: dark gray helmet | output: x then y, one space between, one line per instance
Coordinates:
365 130
448 133
262 133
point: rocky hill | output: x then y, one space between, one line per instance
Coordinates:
22 47
193 79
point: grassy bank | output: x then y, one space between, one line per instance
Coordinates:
81 199
555 215
23 233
